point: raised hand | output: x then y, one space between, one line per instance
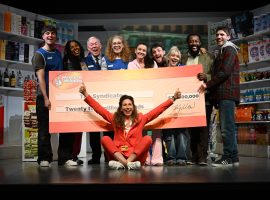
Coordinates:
177 94
82 90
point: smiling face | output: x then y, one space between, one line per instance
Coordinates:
194 44
222 37
117 45
49 37
127 107
174 59
158 54
141 51
94 46
75 48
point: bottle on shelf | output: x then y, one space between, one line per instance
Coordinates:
6 79
12 79
19 79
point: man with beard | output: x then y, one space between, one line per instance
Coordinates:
158 54
199 135
225 95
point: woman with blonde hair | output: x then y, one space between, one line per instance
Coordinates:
173 57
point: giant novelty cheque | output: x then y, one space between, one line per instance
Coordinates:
149 88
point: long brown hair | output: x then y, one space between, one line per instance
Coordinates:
119 117
124 55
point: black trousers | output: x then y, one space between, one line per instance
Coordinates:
44 137
94 141
66 147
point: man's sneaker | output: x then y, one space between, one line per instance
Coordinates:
71 163
181 163
191 162
170 163
202 163
116 165
93 162
223 162
235 162
44 163
79 162
134 165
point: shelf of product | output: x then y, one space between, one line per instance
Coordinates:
255 36
253 134
259 95
253 122
26 89
19 38
253 114
11 91
254 102
248 113
13 82
256 64
255 82
16 65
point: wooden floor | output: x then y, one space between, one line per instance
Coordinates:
252 174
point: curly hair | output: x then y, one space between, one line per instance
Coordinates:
124 55
119 117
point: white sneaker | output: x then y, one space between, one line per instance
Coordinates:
116 165
71 163
134 165
44 163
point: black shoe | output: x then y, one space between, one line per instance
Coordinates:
203 162
60 163
235 162
92 162
79 162
223 162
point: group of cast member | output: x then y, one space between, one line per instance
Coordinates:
128 145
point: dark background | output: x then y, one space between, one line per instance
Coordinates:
134 6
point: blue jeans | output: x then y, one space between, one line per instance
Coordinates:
177 142
228 128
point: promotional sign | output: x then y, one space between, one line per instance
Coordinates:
148 87
30 132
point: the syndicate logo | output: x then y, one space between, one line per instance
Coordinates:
67 80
